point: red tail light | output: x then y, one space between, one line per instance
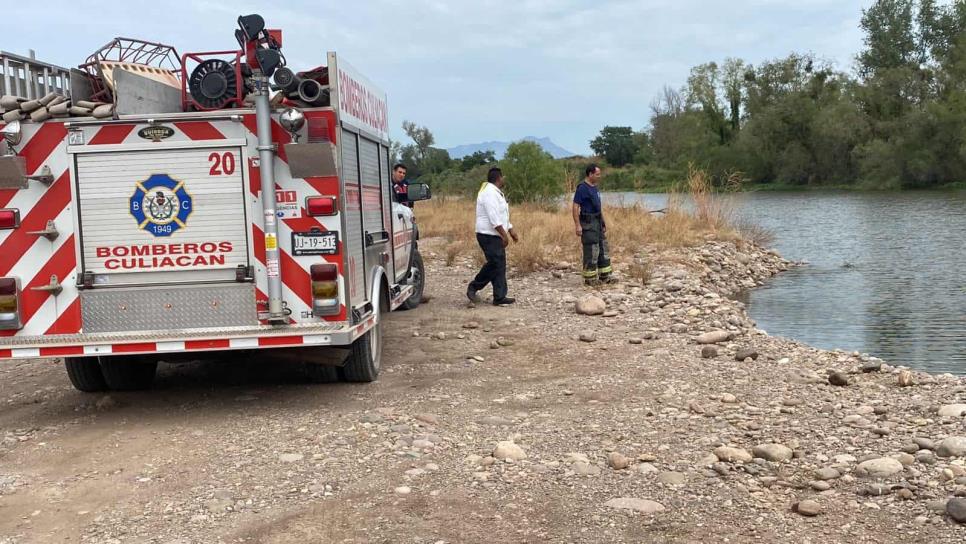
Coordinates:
9 304
321 205
324 272
325 289
8 286
9 218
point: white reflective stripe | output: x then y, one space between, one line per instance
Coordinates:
25 199
31 262
317 339
243 342
170 346
25 353
37 255
26 133
284 179
296 304
42 319
98 350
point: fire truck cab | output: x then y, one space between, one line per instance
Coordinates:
148 237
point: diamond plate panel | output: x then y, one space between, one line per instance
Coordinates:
166 308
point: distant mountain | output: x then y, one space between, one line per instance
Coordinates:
499 148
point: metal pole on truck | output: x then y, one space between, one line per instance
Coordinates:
266 166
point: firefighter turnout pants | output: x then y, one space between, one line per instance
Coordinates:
596 254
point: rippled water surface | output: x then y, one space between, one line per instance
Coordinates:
886 272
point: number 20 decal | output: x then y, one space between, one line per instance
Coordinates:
223 164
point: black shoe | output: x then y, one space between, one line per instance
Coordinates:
609 280
471 294
505 301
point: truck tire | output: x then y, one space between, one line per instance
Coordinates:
85 374
317 373
417 275
365 356
128 373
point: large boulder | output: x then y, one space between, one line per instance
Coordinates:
773 452
591 305
954 446
953 410
879 468
733 455
713 337
956 508
639 505
509 450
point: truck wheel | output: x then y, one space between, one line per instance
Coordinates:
85 374
317 373
128 373
365 356
417 278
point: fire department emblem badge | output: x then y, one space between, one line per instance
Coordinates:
161 205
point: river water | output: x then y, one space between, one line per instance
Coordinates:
885 272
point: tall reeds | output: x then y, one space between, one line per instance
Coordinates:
548 237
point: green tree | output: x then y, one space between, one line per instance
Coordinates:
643 152
420 157
532 175
898 121
890 37
435 161
478 158
703 95
422 139
733 73
615 144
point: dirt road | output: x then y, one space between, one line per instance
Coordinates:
248 451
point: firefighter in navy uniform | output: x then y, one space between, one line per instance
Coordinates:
591 228
400 185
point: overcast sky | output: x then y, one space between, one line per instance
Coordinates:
476 70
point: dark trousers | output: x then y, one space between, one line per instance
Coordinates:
494 271
596 253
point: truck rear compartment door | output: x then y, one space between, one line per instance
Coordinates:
173 216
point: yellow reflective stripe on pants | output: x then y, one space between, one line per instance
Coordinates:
606 270
590 273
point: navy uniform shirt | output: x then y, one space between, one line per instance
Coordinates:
588 198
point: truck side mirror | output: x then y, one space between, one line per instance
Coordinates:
416 192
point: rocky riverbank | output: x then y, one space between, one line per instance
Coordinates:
816 431
664 416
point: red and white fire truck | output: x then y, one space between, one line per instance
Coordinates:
237 220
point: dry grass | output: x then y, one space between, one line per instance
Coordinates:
755 233
453 250
547 236
640 272
711 212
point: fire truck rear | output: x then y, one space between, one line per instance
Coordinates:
218 216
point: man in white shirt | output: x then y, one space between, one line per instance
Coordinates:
493 233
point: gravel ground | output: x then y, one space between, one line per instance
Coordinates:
529 423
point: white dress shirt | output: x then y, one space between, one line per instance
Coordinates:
492 210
